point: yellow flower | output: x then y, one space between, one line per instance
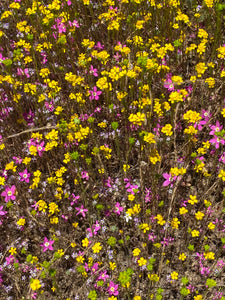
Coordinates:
131 197
200 68
58 110
199 215
195 233
2 180
142 261
210 81
175 223
183 211
192 200
154 156
145 227
136 252
222 175
80 259
191 130
54 220
174 275
137 119
26 160
211 226
126 168
97 248
85 242
53 208
167 129
112 265
198 297
182 256
21 222
149 138
209 255
35 284
137 298
223 112
175 97
60 252
12 251
209 3
192 116
160 220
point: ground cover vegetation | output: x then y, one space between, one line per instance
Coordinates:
112 160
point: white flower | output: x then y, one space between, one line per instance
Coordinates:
127 217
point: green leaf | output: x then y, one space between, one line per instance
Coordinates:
46 264
52 272
114 125
29 258
7 62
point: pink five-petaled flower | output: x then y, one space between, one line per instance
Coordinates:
118 209
217 141
112 289
81 210
9 193
47 245
169 178
215 128
103 276
94 94
40 148
24 176
93 71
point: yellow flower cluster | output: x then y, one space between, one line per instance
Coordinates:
192 116
137 119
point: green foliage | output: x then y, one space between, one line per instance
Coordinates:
92 295
125 276
111 241
210 283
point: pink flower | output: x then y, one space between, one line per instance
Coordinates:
94 229
222 158
217 141
24 176
49 106
9 193
112 289
84 175
151 237
118 209
81 210
215 128
74 24
22 72
93 71
94 94
103 276
40 148
2 212
99 46
168 84
47 245
169 179
94 268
